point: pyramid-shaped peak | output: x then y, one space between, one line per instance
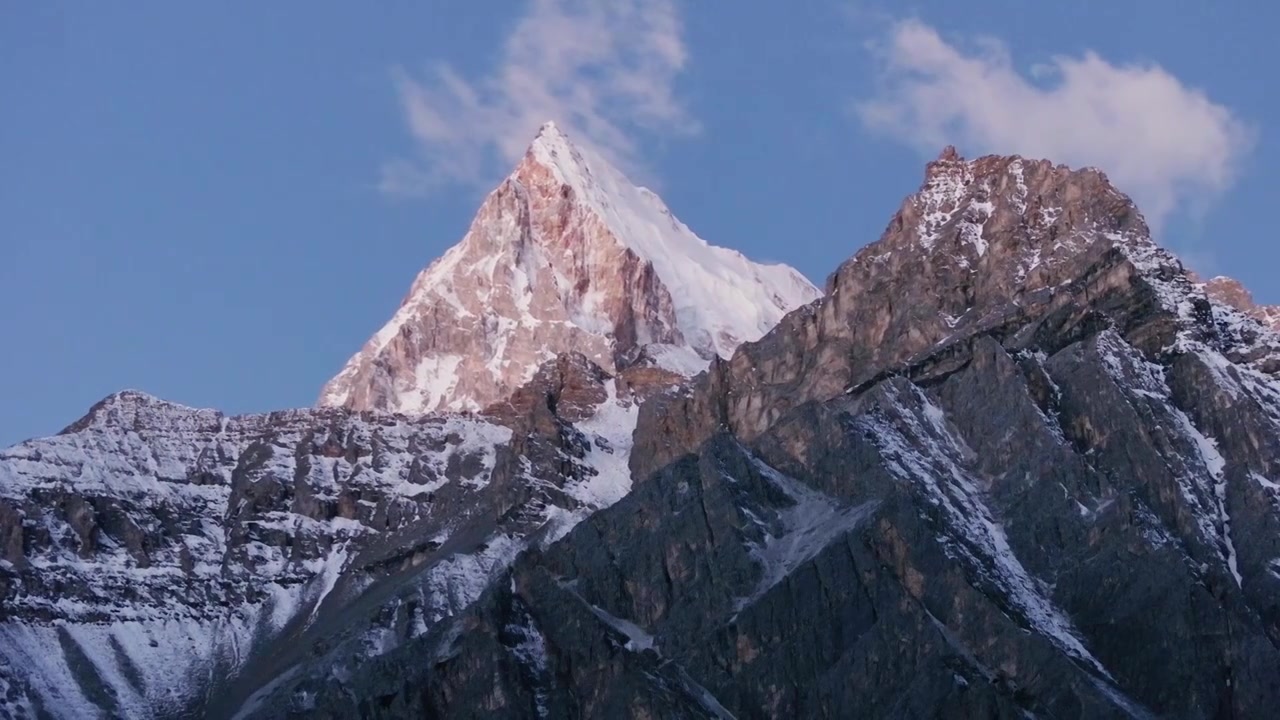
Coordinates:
553 143
570 163
582 167
137 409
565 255
551 132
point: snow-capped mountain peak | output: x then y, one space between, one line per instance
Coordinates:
565 255
1015 437
716 310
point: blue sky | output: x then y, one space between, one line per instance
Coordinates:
219 204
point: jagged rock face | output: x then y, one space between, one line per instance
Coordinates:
1044 535
570 387
1229 291
162 561
564 256
1014 464
997 245
148 525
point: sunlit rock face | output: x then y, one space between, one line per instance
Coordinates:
566 255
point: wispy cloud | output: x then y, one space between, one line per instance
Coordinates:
1166 144
604 70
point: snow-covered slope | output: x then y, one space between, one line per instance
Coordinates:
565 255
1229 291
721 298
157 559
160 543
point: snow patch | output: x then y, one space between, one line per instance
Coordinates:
704 696
637 639
1215 464
1146 380
679 359
808 526
1268 484
328 578
531 650
609 432
434 380
457 581
900 432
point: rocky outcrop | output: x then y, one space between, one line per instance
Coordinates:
1015 464
147 527
998 245
159 560
1229 291
570 387
951 549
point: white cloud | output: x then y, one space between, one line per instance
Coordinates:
602 69
1164 143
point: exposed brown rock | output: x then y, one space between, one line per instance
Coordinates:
641 382
570 387
996 244
1231 292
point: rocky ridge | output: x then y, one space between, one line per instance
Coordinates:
1229 291
566 255
164 561
1014 463
993 245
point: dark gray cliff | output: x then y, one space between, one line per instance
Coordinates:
1013 464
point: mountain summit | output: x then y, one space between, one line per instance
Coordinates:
565 255
1015 462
